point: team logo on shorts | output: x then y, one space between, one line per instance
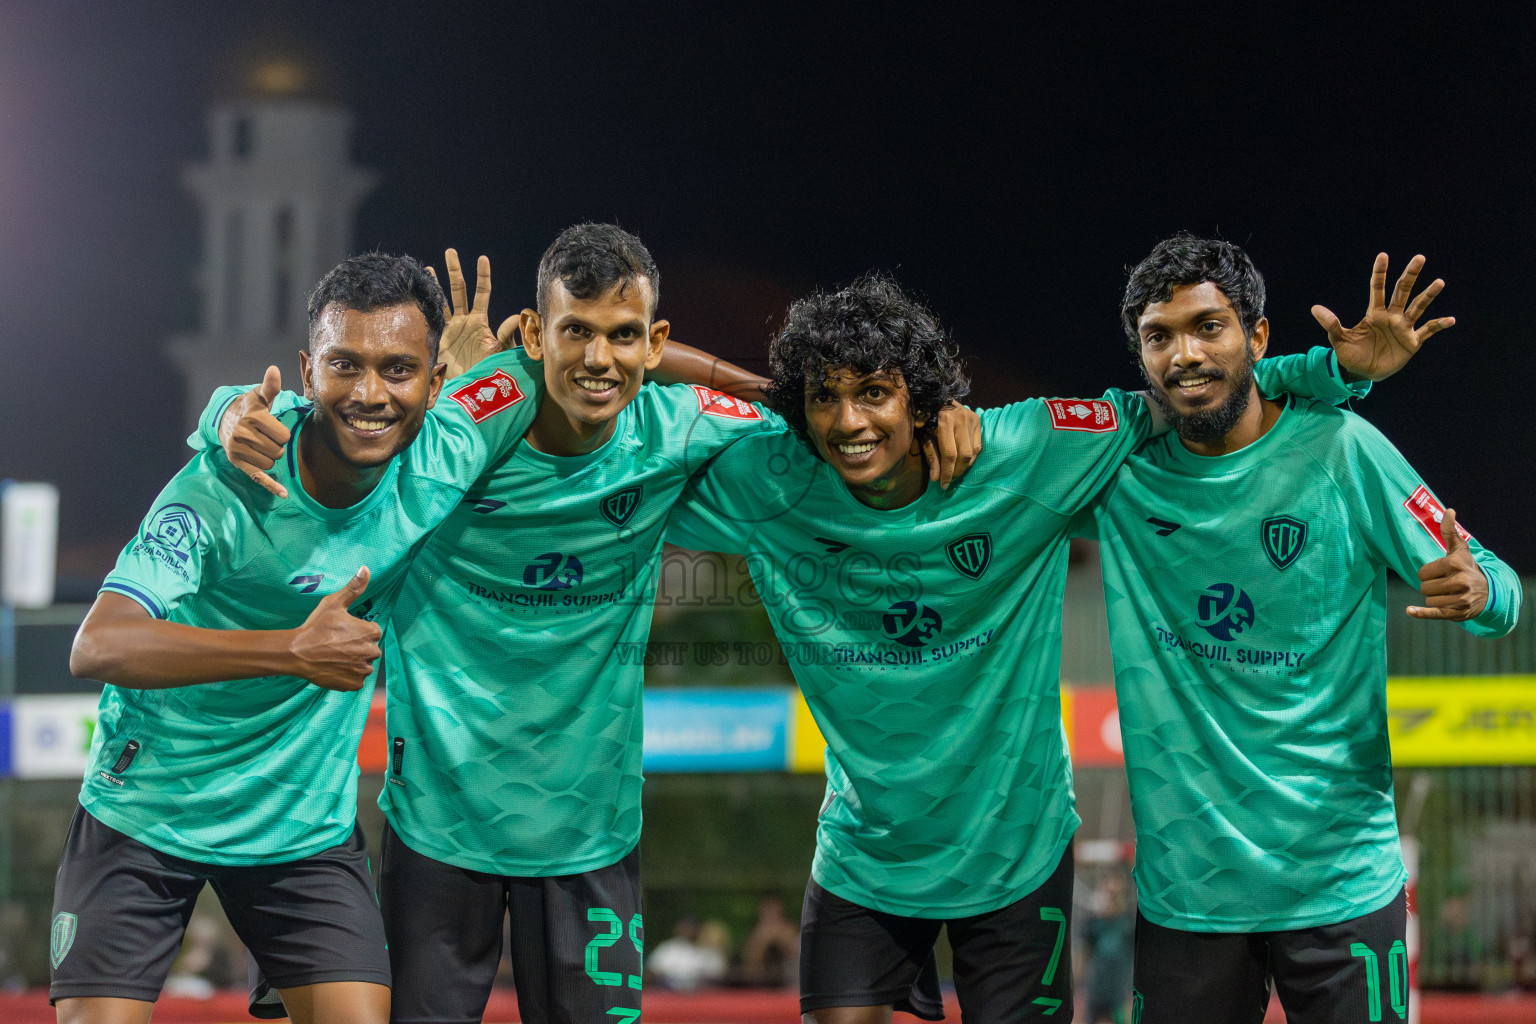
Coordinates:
970 555
1224 611
718 403
176 529
61 937
911 624
620 505
1283 539
487 396
553 571
1090 414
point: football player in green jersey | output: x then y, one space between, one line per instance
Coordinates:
924 628
239 680
515 730
1244 559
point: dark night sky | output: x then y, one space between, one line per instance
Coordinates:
1006 167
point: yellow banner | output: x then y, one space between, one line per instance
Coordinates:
1432 720
1462 720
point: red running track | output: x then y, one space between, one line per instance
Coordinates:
728 1007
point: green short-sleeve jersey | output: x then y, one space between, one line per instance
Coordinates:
264 770
927 642
1247 603
514 672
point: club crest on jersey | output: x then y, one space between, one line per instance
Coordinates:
1224 611
619 506
1090 414
488 396
911 624
970 555
1282 538
718 403
61 937
176 529
1424 507
553 571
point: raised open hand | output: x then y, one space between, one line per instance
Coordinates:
467 337
1385 339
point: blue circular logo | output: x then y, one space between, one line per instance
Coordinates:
911 624
1224 611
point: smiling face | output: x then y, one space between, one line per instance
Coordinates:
862 424
595 353
1197 360
372 379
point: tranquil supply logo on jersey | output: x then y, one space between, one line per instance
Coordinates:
1093 415
619 506
61 937
1424 507
1224 611
970 555
488 396
718 403
176 530
553 571
911 624
1283 538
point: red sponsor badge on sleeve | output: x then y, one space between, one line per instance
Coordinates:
1424 507
718 403
488 396
1091 414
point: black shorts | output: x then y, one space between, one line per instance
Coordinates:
577 940
1013 964
120 909
1356 970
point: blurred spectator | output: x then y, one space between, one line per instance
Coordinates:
13 928
1110 936
771 954
210 960
684 962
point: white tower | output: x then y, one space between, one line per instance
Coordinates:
278 198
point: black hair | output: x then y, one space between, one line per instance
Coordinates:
870 325
1185 259
376 280
589 259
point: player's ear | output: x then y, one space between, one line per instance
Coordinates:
439 377
1259 342
531 326
306 365
658 341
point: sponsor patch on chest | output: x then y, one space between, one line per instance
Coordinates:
718 403
1089 414
1424 507
488 396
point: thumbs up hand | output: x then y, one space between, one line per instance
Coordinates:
1454 584
252 437
334 648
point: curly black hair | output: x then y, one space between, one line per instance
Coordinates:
870 325
1185 259
374 280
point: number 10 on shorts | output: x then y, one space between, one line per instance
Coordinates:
1397 978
